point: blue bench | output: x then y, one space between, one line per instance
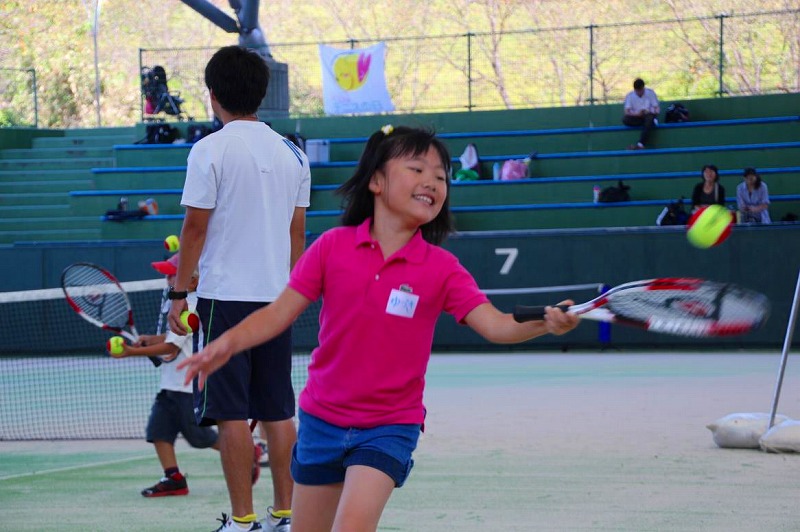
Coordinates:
527 207
608 177
608 153
138 169
523 132
597 129
127 192
484 182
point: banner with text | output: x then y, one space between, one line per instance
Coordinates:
354 81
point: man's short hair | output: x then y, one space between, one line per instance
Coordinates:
238 78
638 83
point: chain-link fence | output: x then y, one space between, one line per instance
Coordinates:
698 57
18 106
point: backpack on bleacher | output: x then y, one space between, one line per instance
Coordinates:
513 169
673 214
160 134
196 132
676 112
615 194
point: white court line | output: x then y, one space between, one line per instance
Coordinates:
73 468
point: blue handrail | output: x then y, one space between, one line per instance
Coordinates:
523 207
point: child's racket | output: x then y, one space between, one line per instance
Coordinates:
161 311
96 295
680 306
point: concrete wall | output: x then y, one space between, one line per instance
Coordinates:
765 259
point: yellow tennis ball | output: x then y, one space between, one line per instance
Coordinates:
116 345
172 243
709 226
190 320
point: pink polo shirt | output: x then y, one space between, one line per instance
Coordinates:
376 324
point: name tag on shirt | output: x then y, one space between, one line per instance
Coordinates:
402 303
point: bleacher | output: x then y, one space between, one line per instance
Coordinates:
36 181
60 187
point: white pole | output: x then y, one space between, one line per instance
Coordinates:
95 31
787 343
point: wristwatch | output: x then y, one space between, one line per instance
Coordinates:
174 294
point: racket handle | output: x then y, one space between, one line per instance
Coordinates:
155 360
524 313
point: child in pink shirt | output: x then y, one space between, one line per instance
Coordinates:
384 281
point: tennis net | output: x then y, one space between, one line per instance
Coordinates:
57 381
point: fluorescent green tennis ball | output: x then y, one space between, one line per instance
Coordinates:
116 345
172 243
709 226
190 320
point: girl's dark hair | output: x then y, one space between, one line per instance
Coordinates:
402 141
239 78
713 167
752 171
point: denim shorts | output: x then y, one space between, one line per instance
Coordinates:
324 452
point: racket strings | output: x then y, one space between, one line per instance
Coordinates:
97 295
711 302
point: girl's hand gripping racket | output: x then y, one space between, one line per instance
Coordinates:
96 295
680 306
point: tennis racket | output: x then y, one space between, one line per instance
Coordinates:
679 306
163 310
96 295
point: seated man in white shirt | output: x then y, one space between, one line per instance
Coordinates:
641 110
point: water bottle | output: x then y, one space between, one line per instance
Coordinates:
496 171
596 194
123 204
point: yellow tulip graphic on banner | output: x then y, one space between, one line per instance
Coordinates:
351 70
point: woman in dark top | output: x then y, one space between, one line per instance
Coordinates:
709 192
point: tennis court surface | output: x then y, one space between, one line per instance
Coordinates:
528 442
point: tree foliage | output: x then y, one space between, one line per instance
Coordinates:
521 52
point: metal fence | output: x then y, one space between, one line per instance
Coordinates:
19 106
700 57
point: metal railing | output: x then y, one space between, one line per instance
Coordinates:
699 57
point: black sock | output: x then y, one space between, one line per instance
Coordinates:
171 471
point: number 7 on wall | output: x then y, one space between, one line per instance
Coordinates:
511 256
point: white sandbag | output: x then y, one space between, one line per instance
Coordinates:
742 430
782 438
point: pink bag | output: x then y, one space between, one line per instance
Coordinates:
514 169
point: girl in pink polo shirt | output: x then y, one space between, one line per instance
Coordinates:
384 281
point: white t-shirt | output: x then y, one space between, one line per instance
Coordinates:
172 378
252 178
634 104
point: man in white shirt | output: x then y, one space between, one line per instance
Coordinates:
641 110
246 192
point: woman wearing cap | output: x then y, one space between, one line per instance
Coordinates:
752 198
